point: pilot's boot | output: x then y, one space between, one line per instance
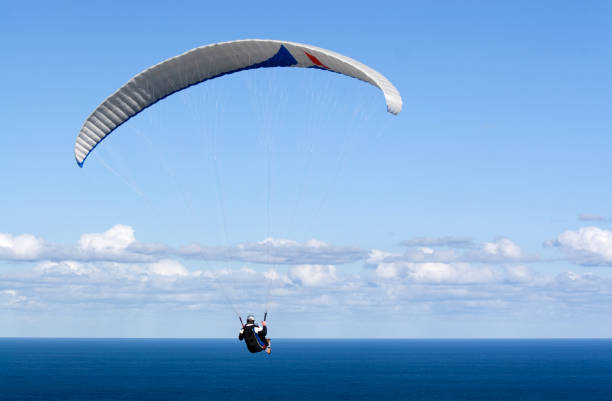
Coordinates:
268 348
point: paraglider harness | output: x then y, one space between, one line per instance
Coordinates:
252 339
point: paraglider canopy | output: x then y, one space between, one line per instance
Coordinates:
212 61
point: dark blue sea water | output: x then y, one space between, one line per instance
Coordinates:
142 369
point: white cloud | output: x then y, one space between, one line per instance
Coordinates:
71 282
313 243
20 247
502 250
272 274
116 238
388 270
377 256
449 273
576 278
168 267
416 255
313 275
502 247
116 244
65 268
519 274
587 245
11 299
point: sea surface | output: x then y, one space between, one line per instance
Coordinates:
172 369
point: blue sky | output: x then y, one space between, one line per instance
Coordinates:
482 210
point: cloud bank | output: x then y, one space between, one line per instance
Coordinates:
118 244
277 251
112 269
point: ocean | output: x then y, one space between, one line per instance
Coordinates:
205 369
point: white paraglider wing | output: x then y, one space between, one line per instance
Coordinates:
207 62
